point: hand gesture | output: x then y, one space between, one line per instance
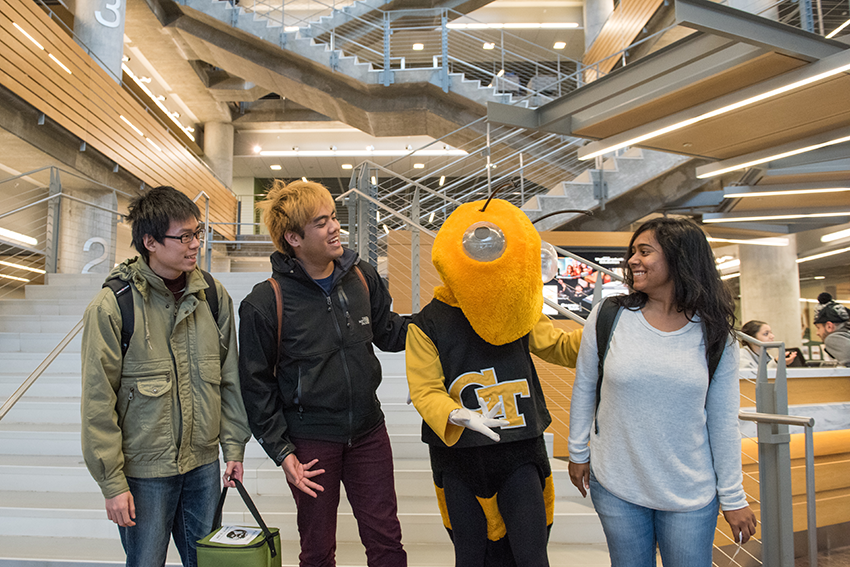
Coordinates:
480 422
299 474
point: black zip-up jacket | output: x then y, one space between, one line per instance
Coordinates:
327 373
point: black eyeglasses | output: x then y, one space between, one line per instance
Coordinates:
188 237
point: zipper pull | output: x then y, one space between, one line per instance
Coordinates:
347 320
301 413
131 396
328 298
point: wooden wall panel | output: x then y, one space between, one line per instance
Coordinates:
89 103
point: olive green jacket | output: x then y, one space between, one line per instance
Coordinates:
164 409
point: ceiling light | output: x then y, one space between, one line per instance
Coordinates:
360 153
258 149
274 167
730 276
743 191
514 26
145 79
151 142
31 38
837 30
418 166
373 180
500 73
729 264
418 47
559 45
370 148
347 166
18 237
431 216
130 124
386 229
125 58
22 267
722 259
17 279
442 180
726 217
59 63
160 98
808 75
333 148
304 179
781 152
489 45
291 28
820 277
769 241
835 235
822 255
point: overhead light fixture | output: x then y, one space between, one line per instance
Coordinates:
820 277
360 153
31 38
418 47
489 45
712 218
780 152
837 30
386 229
275 167
442 180
145 80
258 150
832 236
418 166
22 267
373 180
822 255
730 276
131 125
347 166
770 241
370 148
160 98
18 237
59 63
501 73
14 278
512 26
744 191
431 216
559 45
186 129
291 29
125 58
304 179
814 72
154 144
727 265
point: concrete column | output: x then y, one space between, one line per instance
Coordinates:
770 289
99 27
88 235
596 13
218 150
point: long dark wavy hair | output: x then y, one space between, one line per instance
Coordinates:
697 287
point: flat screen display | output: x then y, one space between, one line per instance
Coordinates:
575 283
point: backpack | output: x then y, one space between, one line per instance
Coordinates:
124 297
606 320
278 301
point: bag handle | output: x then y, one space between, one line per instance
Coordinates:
254 512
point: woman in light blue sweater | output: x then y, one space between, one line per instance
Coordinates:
665 450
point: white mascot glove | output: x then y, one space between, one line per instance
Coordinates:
480 422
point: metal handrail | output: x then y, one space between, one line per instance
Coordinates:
811 501
34 375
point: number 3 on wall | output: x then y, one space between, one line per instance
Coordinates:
99 259
112 8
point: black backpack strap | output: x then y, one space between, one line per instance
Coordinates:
606 320
211 293
124 297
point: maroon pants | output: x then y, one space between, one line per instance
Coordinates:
366 470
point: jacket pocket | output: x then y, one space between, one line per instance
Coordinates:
146 423
206 403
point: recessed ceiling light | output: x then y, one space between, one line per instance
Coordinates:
489 46
347 166
418 166
275 167
418 47
559 45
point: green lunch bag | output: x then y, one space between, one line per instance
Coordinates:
261 551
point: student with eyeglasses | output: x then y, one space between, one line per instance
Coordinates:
156 409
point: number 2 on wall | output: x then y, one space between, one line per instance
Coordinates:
99 259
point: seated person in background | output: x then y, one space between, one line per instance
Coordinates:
831 324
760 331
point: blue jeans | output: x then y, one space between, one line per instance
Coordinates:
181 506
685 539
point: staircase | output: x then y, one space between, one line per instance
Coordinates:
51 511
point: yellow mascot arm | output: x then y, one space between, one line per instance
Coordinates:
553 344
426 381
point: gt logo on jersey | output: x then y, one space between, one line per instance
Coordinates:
466 388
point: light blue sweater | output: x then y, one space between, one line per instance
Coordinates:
667 439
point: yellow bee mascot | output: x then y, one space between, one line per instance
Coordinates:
470 371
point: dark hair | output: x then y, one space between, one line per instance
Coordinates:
752 328
824 298
152 213
697 287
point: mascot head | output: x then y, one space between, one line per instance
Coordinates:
488 256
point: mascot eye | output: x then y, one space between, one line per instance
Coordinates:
484 242
548 261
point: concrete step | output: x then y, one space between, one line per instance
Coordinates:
74 308
37 342
36 323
